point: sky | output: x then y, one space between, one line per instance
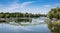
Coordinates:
29 6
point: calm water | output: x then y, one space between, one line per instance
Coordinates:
37 25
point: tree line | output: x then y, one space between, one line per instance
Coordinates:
17 14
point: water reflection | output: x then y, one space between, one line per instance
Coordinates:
54 28
33 21
24 20
7 28
36 26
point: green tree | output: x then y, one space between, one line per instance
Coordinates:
54 13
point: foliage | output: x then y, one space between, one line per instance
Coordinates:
17 14
54 13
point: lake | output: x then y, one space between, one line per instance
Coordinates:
37 25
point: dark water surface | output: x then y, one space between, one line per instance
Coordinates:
26 28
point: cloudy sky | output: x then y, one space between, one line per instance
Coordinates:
30 6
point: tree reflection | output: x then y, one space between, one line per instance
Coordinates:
23 20
54 28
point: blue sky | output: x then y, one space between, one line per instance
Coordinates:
30 6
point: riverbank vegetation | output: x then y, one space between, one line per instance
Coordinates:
54 13
17 14
54 28
54 16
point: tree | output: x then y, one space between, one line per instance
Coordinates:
54 13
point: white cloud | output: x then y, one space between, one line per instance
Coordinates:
47 5
25 4
57 4
22 7
14 6
26 28
46 8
